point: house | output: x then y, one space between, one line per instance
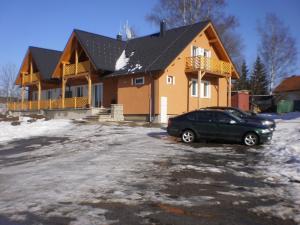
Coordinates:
152 77
289 89
287 93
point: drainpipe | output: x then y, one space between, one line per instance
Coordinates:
150 98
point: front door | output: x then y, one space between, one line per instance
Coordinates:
164 110
98 95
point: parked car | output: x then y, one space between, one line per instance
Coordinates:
217 124
250 117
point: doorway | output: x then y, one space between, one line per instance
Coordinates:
98 95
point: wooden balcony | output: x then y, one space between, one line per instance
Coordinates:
30 78
70 103
211 65
75 69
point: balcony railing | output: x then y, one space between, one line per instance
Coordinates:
212 65
30 78
71 103
74 69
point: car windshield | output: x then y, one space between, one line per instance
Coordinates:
238 113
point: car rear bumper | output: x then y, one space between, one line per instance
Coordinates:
173 131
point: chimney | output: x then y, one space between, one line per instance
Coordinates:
119 37
162 28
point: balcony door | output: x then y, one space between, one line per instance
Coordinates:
98 95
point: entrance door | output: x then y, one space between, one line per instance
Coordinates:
98 95
163 109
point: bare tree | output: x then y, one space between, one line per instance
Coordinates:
8 88
277 48
185 12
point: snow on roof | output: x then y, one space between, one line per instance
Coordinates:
122 60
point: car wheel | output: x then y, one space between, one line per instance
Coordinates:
188 136
251 139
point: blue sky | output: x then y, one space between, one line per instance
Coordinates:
49 23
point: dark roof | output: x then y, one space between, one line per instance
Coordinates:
154 52
102 51
45 60
289 84
147 53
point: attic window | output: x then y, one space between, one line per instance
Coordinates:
170 80
138 81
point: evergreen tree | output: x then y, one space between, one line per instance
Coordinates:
259 82
243 82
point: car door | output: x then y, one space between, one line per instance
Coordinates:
204 124
228 127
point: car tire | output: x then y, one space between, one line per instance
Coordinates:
188 136
251 139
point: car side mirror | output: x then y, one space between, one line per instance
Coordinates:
232 122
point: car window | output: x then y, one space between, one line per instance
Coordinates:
223 118
192 116
236 113
204 116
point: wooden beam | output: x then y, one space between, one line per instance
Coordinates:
63 83
199 85
76 61
31 67
22 96
229 91
89 90
39 94
213 41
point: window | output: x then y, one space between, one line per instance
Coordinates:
205 89
223 118
170 80
49 94
138 81
79 91
194 88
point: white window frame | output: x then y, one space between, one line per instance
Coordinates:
138 84
196 86
171 80
203 82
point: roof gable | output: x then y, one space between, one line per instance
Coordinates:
44 59
102 51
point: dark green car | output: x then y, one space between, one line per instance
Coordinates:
217 124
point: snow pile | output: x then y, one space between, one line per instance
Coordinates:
122 61
27 129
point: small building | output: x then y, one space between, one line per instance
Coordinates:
240 99
288 93
153 77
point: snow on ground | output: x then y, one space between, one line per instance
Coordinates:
281 162
96 162
28 129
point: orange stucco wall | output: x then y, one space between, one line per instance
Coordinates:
179 94
135 99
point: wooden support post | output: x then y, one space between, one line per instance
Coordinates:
75 102
219 83
31 67
50 102
229 92
22 97
199 86
39 94
29 105
89 90
63 83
